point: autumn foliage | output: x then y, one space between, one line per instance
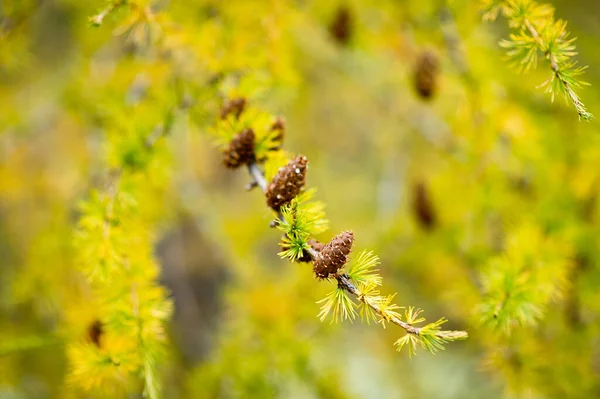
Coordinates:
285 199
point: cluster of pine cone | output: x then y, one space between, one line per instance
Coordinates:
285 186
290 179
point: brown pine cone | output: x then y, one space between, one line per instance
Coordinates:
333 256
95 332
341 26
316 245
287 183
426 74
423 208
240 150
233 106
279 127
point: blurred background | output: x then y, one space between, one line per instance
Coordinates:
421 138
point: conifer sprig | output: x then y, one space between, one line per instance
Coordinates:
339 304
510 300
536 32
299 218
362 271
520 284
430 337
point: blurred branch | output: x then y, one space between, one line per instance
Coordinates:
454 43
7 27
8 347
112 6
106 254
345 283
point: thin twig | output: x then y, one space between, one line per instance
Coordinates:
542 45
258 176
258 179
112 188
345 283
